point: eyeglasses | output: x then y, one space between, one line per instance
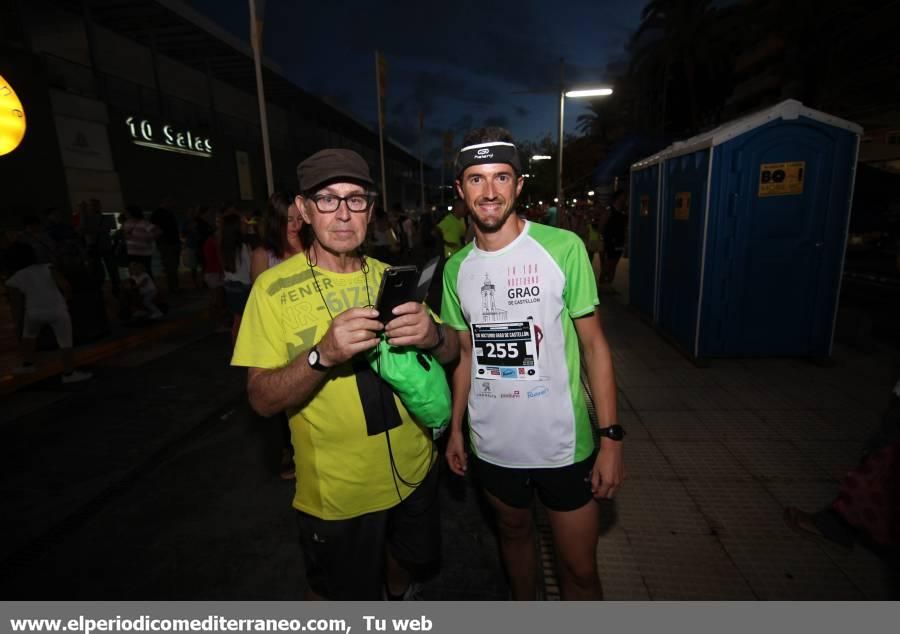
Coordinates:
357 203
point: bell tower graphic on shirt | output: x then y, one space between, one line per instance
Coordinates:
489 310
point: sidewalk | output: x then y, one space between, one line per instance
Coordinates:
185 309
713 455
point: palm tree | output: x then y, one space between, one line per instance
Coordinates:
825 43
682 48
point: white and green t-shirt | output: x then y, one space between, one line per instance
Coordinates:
526 408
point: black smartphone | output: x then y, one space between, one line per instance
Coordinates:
401 284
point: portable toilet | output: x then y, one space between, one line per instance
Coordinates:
643 231
751 234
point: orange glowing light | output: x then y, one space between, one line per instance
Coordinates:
12 118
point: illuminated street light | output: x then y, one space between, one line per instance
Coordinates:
591 193
585 92
592 92
541 157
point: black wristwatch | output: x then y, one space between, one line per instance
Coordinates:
314 360
613 432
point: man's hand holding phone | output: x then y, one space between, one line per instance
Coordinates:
412 326
400 304
353 331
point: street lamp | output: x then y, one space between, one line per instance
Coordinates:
587 92
532 159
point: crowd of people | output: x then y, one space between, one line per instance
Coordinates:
99 267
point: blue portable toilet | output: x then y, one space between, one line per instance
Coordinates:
751 234
643 219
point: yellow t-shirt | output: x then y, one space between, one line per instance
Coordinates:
342 461
453 230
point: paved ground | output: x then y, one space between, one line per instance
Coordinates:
154 481
714 455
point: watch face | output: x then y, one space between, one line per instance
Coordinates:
614 432
313 357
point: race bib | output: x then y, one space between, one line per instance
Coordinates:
507 350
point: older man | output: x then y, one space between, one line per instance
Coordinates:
366 483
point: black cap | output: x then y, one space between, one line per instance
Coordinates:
332 164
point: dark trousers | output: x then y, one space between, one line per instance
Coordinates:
170 255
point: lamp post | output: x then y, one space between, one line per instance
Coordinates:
531 160
588 92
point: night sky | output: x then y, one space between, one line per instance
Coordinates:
463 64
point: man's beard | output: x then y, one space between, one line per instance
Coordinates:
494 226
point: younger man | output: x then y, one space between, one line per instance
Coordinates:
523 297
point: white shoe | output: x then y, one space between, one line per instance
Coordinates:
24 369
76 376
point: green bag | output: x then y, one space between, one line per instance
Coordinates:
418 379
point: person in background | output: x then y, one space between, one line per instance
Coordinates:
95 233
282 234
452 229
427 233
250 219
39 287
214 277
145 290
384 243
206 226
38 239
594 237
614 235
550 215
190 253
119 244
405 230
235 254
168 243
866 507
59 227
139 237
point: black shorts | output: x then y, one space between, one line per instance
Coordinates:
345 558
559 489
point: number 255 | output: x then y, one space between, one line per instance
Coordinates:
502 350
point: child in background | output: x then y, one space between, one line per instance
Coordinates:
44 305
146 290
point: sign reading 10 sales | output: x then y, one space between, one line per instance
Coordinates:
168 138
781 179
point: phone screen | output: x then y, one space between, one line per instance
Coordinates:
425 278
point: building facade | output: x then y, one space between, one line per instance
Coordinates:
148 102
